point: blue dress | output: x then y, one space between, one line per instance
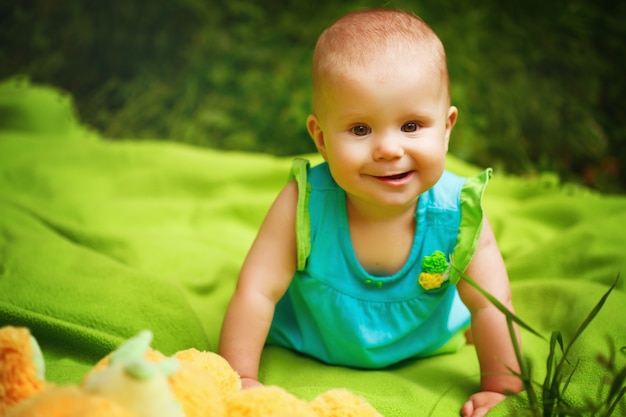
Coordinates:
337 312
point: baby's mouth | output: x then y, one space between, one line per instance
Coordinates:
394 177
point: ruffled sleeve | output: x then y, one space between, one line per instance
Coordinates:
471 223
299 171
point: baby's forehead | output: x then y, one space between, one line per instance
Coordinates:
379 70
382 63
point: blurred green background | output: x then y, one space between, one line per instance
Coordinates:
539 83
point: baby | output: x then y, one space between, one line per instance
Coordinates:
357 262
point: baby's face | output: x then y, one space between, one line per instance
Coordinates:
384 132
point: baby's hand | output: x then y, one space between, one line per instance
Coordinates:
247 383
480 403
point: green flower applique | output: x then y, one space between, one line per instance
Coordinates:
434 270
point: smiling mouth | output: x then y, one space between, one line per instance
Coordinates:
394 177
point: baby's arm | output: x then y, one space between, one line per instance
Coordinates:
264 278
489 328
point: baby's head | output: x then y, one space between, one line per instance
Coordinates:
376 41
381 100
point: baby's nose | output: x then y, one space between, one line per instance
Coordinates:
387 147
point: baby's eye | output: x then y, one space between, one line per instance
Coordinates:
410 127
361 130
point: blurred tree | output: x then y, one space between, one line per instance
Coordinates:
538 83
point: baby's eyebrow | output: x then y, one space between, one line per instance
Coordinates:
354 116
420 116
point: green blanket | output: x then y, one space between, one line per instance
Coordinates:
100 239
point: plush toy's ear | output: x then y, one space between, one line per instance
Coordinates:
21 366
37 356
132 349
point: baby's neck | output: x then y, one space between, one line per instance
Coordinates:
382 244
366 212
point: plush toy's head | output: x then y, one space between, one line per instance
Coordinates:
136 383
21 367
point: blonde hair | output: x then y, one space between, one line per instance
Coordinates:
359 38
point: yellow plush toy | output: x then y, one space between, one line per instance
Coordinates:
137 381
21 367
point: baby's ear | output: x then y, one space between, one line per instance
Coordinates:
317 134
453 114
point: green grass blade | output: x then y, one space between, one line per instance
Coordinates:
493 300
617 385
514 340
569 379
557 387
618 398
550 388
525 372
557 377
590 317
